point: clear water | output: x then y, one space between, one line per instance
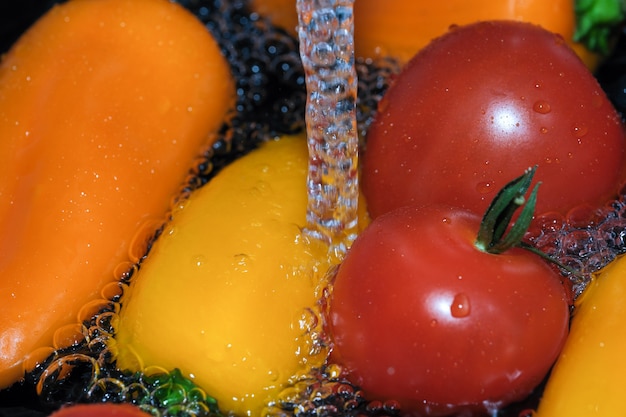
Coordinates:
326 33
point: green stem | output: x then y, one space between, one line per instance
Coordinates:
496 234
550 259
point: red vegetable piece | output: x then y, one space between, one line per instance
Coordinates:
481 104
100 410
420 315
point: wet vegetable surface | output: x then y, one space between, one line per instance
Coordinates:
84 138
566 237
419 314
521 98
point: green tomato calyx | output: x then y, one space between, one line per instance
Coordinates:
495 236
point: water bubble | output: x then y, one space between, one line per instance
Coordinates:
392 406
112 291
37 358
141 240
583 215
322 25
93 307
374 406
106 322
64 368
106 388
323 54
135 393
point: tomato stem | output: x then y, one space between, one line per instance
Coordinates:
548 258
492 235
497 235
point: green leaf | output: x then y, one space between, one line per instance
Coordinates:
597 23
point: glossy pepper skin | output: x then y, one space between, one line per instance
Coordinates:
588 378
104 106
226 292
381 27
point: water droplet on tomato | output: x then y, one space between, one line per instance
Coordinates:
434 323
484 187
543 130
460 306
579 131
542 106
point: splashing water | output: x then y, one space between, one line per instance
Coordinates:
326 33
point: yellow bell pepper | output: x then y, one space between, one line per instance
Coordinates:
224 291
588 378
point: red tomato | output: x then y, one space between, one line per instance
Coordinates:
481 104
419 315
100 410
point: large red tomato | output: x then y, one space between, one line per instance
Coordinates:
481 104
420 315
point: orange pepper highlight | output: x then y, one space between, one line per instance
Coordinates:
104 106
400 28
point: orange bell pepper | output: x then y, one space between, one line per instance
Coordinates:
400 28
104 106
